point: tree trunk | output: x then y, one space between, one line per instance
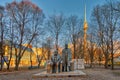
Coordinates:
1 63
31 63
112 66
56 42
31 59
8 67
8 64
91 64
99 61
74 50
38 64
17 64
106 63
112 61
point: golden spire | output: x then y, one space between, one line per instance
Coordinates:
85 27
85 20
85 14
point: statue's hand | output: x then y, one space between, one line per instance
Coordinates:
57 63
61 61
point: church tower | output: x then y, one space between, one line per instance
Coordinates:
85 27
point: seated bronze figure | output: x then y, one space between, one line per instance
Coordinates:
56 59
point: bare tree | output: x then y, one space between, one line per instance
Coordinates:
55 24
40 57
103 41
40 51
2 27
112 20
48 47
3 33
99 55
79 48
10 43
107 21
91 48
116 6
27 18
73 24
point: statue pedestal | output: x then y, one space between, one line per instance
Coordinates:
61 67
72 66
49 66
59 76
75 64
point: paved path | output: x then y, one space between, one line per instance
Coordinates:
92 74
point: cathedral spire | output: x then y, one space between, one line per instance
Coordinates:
85 20
85 27
85 14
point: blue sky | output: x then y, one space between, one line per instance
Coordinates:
67 7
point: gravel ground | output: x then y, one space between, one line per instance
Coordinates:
92 74
19 75
102 74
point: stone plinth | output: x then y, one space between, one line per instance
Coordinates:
78 64
44 74
49 66
72 66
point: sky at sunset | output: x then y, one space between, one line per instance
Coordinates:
67 7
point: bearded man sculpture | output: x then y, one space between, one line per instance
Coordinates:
56 58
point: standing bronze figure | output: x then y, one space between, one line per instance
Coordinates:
66 58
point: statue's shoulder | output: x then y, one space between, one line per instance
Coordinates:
63 50
58 54
69 49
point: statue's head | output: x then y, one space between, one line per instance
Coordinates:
55 52
66 46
